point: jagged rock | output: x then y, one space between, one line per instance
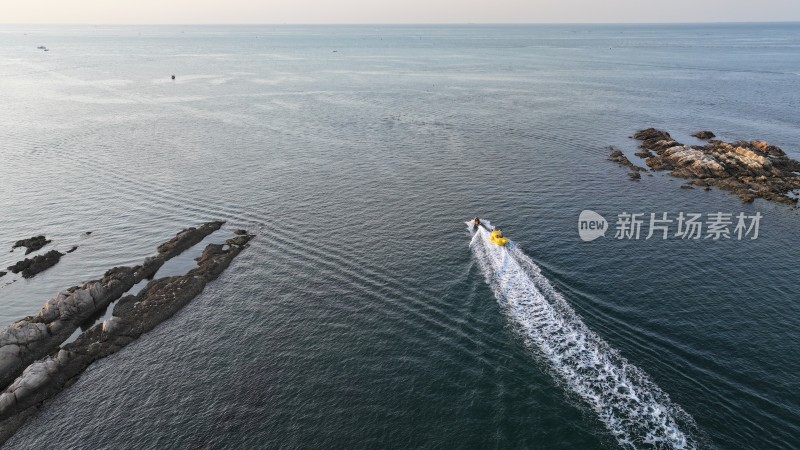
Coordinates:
634 175
69 309
238 240
2 274
749 169
187 238
31 244
695 161
240 232
32 266
41 263
616 156
74 247
19 266
705 135
657 163
132 316
651 133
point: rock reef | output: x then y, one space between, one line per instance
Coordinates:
34 337
31 358
32 266
704 135
31 244
132 316
749 169
620 158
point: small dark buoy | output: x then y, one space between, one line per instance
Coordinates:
173 77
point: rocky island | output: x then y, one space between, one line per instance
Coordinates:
34 365
749 169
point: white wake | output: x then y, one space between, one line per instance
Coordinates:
636 411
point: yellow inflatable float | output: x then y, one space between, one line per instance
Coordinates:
496 235
497 238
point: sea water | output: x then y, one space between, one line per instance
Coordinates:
360 317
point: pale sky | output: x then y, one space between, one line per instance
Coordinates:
393 11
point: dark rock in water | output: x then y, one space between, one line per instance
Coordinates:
187 238
652 139
41 263
634 175
240 232
31 244
2 274
32 266
651 133
132 316
88 233
643 153
619 157
749 169
687 186
705 135
238 240
74 247
19 266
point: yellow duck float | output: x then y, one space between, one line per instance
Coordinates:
496 235
497 238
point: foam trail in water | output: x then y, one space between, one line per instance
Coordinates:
636 411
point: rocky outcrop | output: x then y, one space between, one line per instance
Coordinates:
618 157
32 266
31 244
704 135
651 134
749 169
132 316
35 337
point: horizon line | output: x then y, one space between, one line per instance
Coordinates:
742 22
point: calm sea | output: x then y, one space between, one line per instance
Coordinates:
361 317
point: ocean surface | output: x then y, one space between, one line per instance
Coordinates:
365 314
